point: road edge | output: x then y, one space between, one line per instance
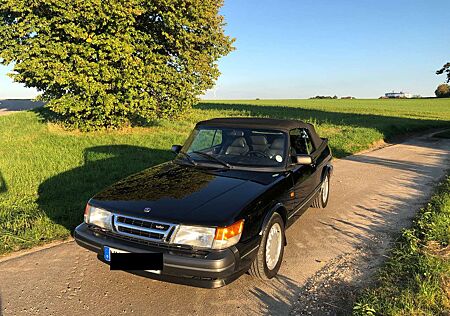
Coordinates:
24 252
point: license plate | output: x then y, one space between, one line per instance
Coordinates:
107 251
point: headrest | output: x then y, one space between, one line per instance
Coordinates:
259 140
278 143
235 133
239 142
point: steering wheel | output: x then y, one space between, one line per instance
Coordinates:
256 153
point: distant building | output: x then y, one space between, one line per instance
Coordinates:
398 95
348 97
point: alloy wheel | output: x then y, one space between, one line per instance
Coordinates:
273 246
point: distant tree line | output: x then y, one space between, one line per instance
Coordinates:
324 97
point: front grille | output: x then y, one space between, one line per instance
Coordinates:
143 229
140 233
142 223
155 246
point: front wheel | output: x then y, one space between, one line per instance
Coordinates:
321 199
271 250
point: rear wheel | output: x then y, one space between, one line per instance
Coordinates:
271 250
321 199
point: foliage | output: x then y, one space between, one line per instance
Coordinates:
443 91
445 69
109 63
48 174
415 279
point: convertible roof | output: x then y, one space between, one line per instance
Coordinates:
265 123
244 122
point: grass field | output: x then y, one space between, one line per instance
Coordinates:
415 280
47 174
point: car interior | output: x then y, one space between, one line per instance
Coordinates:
265 145
259 144
253 143
301 143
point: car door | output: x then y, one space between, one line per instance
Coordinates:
304 176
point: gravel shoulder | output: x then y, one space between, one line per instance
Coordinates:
330 252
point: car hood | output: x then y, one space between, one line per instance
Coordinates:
185 194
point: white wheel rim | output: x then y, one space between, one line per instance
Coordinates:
273 246
325 189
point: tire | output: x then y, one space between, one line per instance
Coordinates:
321 200
263 267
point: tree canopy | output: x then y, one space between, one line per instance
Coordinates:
445 69
109 63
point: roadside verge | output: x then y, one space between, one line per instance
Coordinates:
415 280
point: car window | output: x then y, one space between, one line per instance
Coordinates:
308 140
245 147
217 139
301 142
205 139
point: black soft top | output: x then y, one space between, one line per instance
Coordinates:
263 123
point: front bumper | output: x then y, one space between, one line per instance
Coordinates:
215 269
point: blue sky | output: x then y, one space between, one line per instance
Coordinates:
299 48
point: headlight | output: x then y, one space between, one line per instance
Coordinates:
209 237
195 236
98 217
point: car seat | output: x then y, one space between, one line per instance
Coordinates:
277 147
259 143
237 147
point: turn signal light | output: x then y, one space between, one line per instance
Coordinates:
225 233
86 213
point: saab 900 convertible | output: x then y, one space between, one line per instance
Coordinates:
219 209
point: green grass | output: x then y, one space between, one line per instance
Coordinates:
415 280
47 174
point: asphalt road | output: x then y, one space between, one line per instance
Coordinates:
10 106
373 195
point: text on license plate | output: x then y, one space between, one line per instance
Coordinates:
107 251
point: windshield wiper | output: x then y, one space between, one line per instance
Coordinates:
189 158
210 157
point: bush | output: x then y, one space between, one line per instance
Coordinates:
106 64
443 91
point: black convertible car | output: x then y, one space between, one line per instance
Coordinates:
216 211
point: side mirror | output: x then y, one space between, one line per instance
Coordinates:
176 148
304 159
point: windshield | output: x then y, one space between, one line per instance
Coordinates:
237 147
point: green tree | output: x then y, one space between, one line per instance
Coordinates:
443 91
445 69
110 63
